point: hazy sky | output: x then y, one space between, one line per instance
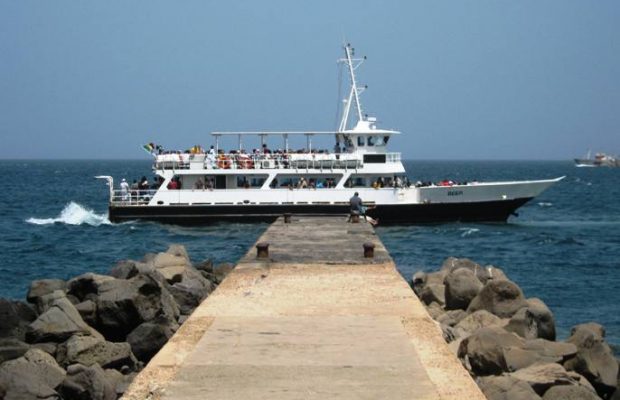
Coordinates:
460 79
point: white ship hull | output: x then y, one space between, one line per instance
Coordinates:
473 202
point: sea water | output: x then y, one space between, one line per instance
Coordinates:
564 247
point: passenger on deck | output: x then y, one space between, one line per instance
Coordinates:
211 156
209 185
302 183
124 190
199 184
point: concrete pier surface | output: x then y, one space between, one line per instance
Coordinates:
314 320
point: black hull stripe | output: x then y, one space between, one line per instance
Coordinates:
489 211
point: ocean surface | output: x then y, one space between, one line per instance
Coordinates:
564 247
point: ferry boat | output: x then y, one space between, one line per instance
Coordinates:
198 187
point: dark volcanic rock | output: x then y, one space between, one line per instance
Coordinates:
190 290
462 286
87 350
86 284
148 338
32 376
594 359
11 348
87 383
58 323
122 305
15 317
569 392
126 269
502 298
506 388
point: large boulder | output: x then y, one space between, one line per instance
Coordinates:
543 376
35 375
15 317
462 286
502 298
87 350
570 392
88 311
475 321
85 285
41 287
594 359
122 305
484 274
452 317
560 350
148 338
58 323
506 388
191 289
11 348
485 350
433 293
127 269
533 321
84 382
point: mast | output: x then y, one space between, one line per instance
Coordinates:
354 93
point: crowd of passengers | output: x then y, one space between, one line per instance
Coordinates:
139 190
197 149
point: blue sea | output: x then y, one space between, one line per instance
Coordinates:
564 247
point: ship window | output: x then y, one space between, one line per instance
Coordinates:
355 181
360 140
244 181
371 140
379 141
385 139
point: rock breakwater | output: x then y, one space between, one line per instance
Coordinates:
508 342
87 338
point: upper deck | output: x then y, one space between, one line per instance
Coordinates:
272 160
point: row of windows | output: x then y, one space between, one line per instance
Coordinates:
372 140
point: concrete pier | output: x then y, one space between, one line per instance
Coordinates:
315 319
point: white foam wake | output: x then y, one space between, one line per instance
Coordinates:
73 214
468 231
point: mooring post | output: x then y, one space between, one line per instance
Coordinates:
287 218
262 250
369 250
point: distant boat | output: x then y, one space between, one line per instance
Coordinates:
599 160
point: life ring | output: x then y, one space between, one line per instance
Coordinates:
244 161
223 162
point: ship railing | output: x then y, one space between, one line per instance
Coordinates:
259 161
132 197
